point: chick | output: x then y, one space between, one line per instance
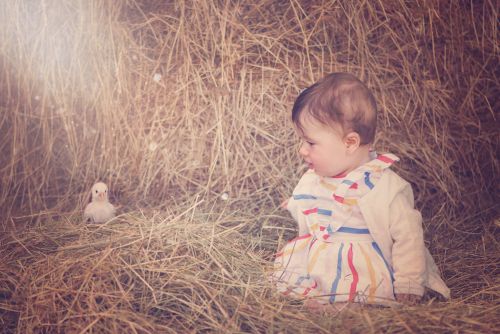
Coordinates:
99 210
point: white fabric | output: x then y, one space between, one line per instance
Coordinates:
335 259
345 268
388 212
397 228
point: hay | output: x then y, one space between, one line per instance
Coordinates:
174 104
150 273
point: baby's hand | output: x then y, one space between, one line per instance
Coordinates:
284 204
408 299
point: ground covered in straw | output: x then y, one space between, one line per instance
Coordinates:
183 109
189 271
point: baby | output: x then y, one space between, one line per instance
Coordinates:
360 238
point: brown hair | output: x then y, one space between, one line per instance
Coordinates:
340 98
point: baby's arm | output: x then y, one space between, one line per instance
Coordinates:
284 204
408 250
303 229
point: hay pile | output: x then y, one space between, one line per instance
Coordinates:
173 104
177 273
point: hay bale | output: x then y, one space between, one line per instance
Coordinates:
195 98
170 102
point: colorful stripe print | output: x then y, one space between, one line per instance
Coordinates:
314 258
309 289
338 274
312 242
354 273
385 158
379 251
357 269
303 196
367 180
302 286
371 272
319 211
353 230
351 184
355 277
345 229
342 229
301 279
296 248
342 200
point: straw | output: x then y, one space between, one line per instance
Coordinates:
175 104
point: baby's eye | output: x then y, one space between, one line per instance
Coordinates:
310 143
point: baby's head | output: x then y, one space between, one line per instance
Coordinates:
337 118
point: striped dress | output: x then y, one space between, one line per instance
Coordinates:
335 259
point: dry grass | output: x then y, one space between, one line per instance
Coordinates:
79 102
184 272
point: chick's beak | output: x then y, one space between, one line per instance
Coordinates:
101 195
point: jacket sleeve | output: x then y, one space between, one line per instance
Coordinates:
408 249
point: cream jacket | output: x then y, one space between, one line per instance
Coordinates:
396 227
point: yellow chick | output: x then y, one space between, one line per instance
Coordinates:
99 210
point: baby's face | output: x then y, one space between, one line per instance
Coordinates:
323 147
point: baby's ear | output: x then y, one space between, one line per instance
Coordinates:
352 141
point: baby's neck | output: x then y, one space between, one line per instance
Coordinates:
360 157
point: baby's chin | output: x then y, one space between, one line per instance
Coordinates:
321 172
333 174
